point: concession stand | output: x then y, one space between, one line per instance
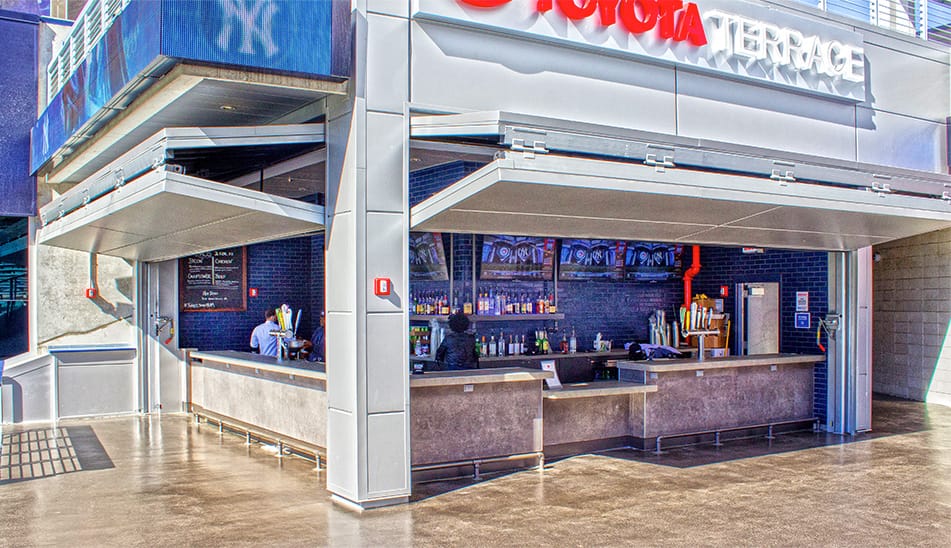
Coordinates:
611 146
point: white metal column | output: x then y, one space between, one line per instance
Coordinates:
849 348
368 428
863 341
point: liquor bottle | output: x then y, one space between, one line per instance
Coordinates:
521 347
478 348
573 342
511 351
564 343
552 307
492 346
497 305
484 350
444 306
467 307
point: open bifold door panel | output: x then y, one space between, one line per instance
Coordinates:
146 207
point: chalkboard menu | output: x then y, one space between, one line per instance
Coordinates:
216 281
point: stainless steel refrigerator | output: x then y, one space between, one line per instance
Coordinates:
757 318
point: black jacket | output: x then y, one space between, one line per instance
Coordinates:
457 351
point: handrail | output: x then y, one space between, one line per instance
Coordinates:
90 26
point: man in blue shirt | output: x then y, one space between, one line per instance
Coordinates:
261 339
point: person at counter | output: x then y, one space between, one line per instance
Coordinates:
261 339
457 350
317 346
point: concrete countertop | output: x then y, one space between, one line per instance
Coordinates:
665 366
539 357
597 388
297 368
478 376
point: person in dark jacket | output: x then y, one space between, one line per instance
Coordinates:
457 350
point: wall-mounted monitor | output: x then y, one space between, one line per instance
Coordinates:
427 257
591 260
517 258
650 262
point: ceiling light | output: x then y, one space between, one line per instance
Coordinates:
229 108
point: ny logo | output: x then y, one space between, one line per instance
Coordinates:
252 19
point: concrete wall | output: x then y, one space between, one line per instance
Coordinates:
912 318
65 316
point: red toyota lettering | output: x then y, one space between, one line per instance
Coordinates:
672 18
637 24
485 3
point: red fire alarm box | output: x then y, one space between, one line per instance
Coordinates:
252 292
381 286
91 292
724 291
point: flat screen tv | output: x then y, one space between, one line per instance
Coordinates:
517 258
427 258
649 262
591 259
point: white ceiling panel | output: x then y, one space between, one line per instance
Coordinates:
164 215
560 196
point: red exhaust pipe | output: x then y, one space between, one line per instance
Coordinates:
689 274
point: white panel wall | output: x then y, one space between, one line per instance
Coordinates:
902 123
460 69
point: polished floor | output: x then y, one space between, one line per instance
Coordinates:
166 481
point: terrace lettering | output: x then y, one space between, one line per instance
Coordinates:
673 19
737 36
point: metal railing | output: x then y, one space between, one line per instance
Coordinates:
927 19
90 26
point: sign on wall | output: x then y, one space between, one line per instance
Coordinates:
728 37
216 281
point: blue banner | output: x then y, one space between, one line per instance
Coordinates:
283 35
296 36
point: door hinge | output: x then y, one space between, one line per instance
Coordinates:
529 150
783 172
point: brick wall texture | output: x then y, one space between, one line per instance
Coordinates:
912 318
284 272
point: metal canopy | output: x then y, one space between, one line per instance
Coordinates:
542 135
163 215
560 196
212 152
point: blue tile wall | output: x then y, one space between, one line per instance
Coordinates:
316 284
423 183
282 273
795 271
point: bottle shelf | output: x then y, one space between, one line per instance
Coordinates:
477 318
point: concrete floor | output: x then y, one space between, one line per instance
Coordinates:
165 481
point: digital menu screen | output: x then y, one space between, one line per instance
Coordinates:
591 259
427 257
517 258
653 262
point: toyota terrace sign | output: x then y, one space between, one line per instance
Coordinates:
729 37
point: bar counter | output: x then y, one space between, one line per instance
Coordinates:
722 393
476 414
255 393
